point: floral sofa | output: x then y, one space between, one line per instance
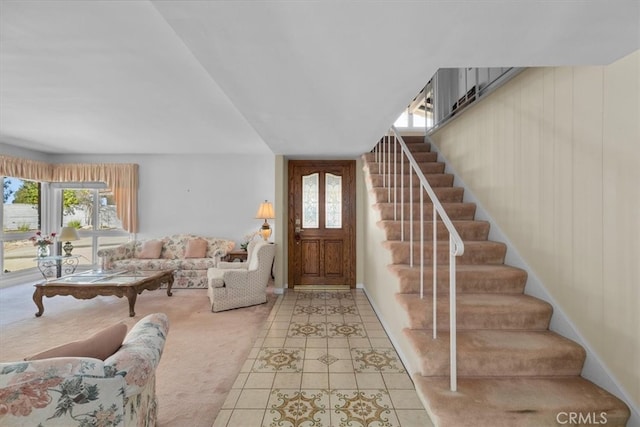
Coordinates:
188 272
83 391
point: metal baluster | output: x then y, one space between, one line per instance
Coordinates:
395 179
402 195
389 171
421 242
452 316
435 270
411 217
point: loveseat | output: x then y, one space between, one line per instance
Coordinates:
174 252
86 391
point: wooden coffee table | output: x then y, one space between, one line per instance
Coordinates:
93 283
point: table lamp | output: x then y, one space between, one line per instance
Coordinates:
68 235
265 211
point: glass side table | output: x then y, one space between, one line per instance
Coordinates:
57 265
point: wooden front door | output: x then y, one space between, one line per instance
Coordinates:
321 222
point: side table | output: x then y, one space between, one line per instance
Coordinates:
235 256
57 265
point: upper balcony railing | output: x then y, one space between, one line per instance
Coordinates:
448 92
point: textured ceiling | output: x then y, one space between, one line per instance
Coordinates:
299 78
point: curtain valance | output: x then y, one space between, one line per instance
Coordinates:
121 178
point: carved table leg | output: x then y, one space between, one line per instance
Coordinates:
132 295
37 298
169 285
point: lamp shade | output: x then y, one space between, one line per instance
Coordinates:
68 234
265 211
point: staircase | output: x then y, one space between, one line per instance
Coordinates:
512 370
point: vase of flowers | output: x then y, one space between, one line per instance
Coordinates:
43 243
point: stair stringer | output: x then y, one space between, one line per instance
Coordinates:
594 368
379 283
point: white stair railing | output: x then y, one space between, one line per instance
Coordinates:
386 152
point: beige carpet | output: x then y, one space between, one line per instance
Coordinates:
202 357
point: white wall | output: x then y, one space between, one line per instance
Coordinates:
14 151
209 194
554 158
213 195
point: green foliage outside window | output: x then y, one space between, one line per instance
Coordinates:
29 193
6 191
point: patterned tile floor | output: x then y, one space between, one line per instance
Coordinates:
323 359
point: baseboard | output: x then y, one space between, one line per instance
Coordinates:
396 345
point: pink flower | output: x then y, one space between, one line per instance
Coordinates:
40 240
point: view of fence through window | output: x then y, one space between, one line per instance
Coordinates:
92 211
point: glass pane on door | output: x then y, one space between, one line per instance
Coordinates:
310 208
333 201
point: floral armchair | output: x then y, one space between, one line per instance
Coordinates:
234 284
82 391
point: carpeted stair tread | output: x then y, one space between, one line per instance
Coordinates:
444 194
489 353
478 252
518 402
474 278
477 311
434 180
467 229
420 156
425 167
455 210
413 146
414 139
410 139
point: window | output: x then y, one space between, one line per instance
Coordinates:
21 219
31 206
91 209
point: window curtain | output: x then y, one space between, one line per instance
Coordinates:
26 169
121 178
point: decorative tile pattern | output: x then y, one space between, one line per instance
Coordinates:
327 359
307 330
346 330
359 408
325 295
323 360
341 309
308 309
376 360
298 408
278 359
